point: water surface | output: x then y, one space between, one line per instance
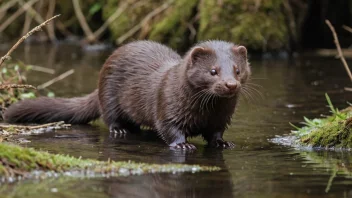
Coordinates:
255 168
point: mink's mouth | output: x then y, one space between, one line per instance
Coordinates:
227 93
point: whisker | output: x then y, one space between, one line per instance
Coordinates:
250 78
196 96
253 84
254 90
248 96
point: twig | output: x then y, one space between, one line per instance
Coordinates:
38 28
42 69
82 21
9 86
146 19
50 27
61 27
58 78
348 88
33 12
61 124
336 41
27 23
349 29
5 7
331 179
13 17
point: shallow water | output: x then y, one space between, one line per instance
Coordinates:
255 168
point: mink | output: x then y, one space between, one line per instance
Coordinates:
147 83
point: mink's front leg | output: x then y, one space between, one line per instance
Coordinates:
215 140
175 138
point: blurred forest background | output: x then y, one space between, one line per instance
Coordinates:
261 25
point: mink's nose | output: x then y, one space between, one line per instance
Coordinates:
231 85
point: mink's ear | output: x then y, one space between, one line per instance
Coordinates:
199 53
240 50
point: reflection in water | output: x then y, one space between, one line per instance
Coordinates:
217 184
255 168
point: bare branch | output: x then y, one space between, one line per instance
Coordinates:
60 124
9 86
37 28
82 20
42 69
349 29
58 78
27 23
5 7
336 41
50 27
13 17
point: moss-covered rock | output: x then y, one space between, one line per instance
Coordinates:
16 161
137 10
258 26
334 131
173 29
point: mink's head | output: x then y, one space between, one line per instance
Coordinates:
218 67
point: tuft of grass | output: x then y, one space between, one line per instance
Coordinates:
18 162
334 110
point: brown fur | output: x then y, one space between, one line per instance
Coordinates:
146 83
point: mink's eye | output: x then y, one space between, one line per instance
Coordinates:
213 72
237 71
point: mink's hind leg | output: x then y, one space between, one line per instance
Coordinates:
215 140
175 138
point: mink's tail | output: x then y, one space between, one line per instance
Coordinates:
79 110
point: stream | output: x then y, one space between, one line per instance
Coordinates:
256 167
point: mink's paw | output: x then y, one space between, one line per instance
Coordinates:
117 132
116 129
220 143
184 145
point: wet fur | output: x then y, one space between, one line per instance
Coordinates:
146 83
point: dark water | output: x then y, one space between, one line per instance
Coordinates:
255 168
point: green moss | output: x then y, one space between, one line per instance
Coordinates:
173 28
135 13
333 131
18 161
259 26
329 134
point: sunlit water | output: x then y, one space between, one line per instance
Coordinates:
255 168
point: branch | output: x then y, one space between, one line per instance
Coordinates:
50 27
82 20
9 86
336 41
60 124
5 7
58 78
145 20
349 29
37 28
13 17
32 12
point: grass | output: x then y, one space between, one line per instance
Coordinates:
331 132
18 162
